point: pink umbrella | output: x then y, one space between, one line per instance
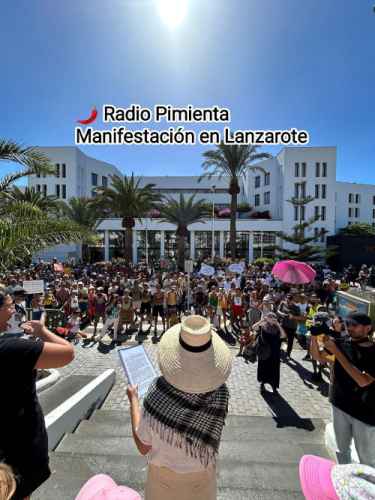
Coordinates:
292 271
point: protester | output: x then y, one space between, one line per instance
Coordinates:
245 339
23 437
18 317
352 392
290 315
99 303
269 369
112 314
183 413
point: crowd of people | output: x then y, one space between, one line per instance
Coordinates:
253 305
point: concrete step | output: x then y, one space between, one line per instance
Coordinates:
258 450
238 480
89 428
56 395
267 424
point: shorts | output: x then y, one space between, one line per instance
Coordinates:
83 306
237 309
199 308
158 310
172 309
145 307
136 304
99 315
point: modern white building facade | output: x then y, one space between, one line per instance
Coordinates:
338 204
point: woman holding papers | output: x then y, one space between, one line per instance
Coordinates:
183 414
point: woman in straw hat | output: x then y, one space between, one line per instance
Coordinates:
183 413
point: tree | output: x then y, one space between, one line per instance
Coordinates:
232 162
15 196
182 213
127 199
359 229
243 207
33 161
306 251
81 211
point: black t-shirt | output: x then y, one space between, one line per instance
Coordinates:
22 429
345 392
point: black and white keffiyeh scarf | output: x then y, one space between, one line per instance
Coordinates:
193 421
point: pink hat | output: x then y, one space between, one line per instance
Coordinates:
325 480
102 487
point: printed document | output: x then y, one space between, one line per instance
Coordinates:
138 367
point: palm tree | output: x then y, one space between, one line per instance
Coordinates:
81 211
232 162
126 199
182 213
33 161
15 196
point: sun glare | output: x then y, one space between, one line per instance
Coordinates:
172 11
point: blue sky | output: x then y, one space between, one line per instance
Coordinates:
275 64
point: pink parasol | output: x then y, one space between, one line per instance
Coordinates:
292 271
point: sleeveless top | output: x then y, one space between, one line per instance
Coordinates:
222 300
213 300
125 306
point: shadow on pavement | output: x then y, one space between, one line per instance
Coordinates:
105 348
228 337
306 375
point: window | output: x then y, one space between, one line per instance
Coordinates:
296 190
63 170
63 186
350 212
267 198
322 236
316 211
324 191
44 176
302 213
373 213
257 181
351 196
373 200
57 170
38 177
317 190
303 169
295 213
324 169
357 212
257 200
57 190
303 190
296 170
104 181
38 188
317 169
266 179
94 179
358 198
323 213
316 232
44 189
373 224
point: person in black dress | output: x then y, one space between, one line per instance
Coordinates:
269 369
23 436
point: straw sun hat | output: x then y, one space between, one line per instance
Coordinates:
193 358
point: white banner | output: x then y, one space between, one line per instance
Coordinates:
207 270
36 286
236 268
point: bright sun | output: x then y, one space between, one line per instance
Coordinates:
172 11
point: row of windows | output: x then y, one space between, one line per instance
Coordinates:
94 180
267 180
355 212
299 212
300 169
173 190
266 199
60 190
356 198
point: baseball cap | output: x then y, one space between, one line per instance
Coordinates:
358 318
322 479
102 487
80 282
289 296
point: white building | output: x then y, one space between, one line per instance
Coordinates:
337 203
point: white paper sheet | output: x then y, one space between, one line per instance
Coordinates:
138 367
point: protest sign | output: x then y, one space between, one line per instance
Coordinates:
35 286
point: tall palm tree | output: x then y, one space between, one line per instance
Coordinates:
126 199
81 211
232 162
182 213
33 161
15 196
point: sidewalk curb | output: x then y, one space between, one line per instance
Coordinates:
46 383
67 416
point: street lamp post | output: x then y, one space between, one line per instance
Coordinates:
146 246
213 187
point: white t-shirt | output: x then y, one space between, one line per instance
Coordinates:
73 325
74 302
164 454
236 282
152 285
227 286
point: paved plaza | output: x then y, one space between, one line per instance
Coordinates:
299 395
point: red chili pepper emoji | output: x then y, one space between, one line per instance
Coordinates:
93 116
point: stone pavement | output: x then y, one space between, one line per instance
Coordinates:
299 395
